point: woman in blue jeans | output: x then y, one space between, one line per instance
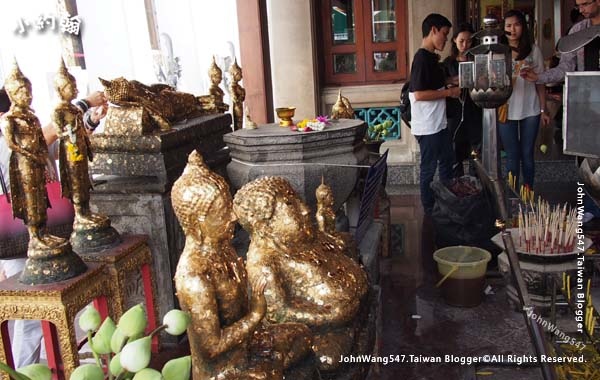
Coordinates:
518 126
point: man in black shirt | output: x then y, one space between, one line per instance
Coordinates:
427 95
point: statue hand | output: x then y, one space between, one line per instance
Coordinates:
258 303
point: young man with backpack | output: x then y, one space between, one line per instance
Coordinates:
428 93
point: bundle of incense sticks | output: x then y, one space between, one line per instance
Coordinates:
544 229
525 193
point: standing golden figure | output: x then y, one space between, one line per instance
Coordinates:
50 258
91 232
326 222
325 214
227 339
309 280
238 95
216 76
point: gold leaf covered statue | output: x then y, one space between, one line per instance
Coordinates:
326 221
163 104
248 122
216 76
342 109
74 153
308 280
227 338
238 95
50 258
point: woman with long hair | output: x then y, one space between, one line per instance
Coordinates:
518 126
464 116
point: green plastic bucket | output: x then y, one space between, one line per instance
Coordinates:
462 270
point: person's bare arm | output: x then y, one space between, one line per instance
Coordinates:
541 91
452 92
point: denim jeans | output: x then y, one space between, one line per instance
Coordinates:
518 138
436 148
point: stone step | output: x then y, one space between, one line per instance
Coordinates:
546 171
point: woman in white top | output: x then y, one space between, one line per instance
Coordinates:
519 128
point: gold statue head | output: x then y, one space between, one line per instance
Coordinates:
324 195
117 89
215 73
65 83
18 87
236 71
202 202
270 208
342 109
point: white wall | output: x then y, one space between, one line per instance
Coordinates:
198 29
292 56
115 40
116 43
38 54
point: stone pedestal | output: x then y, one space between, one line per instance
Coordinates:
301 157
538 278
135 176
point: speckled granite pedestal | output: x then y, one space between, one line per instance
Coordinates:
301 157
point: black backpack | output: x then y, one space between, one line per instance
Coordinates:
405 104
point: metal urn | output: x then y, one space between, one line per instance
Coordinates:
488 76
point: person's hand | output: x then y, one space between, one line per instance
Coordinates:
97 113
545 119
452 80
258 303
453 92
96 98
528 74
556 96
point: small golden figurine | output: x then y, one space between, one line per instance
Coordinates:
238 95
216 76
308 280
342 109
325 214
326 222
74 153
212 286
248 122
163 104
50 258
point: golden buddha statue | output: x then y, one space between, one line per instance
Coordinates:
238 95
342 109
74 153
227 336
308 280
325 214
326 222
50 258
216 76
248 122
163 104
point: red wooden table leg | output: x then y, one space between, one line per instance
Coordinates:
101 304
6 344
52 350
149 295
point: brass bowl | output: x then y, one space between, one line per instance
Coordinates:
285 115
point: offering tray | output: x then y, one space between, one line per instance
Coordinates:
545 257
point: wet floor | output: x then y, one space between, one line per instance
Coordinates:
420 327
